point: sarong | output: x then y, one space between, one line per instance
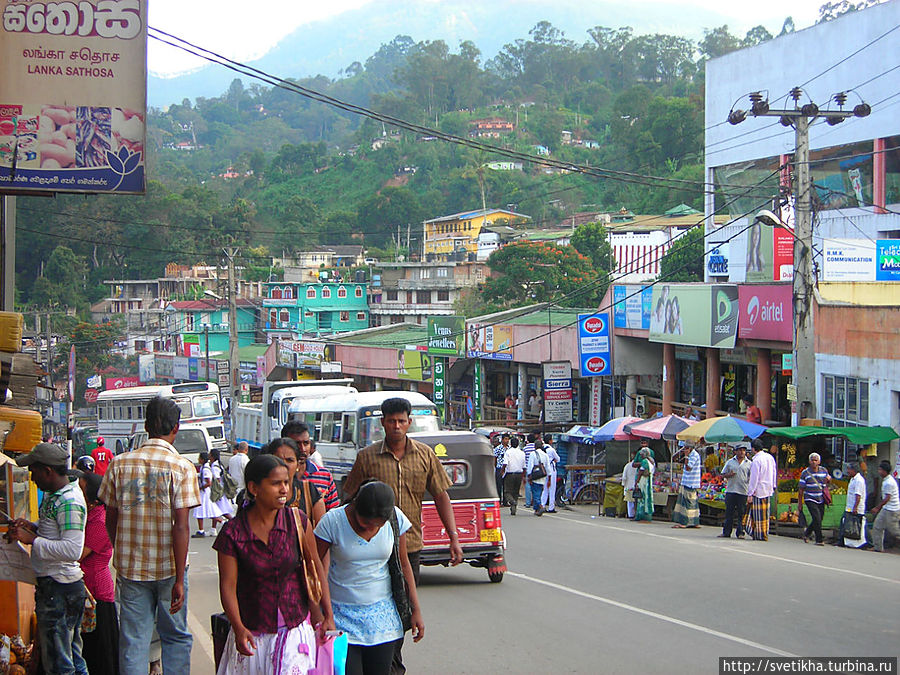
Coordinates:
687 508
756 520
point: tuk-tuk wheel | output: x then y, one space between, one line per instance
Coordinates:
495 576
496 566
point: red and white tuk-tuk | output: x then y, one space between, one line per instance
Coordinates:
469 462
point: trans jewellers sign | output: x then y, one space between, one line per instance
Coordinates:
766 312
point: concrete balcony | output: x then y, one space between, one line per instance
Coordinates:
442 283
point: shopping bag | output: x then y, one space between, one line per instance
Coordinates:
331 655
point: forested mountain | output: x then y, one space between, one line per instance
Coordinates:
269 169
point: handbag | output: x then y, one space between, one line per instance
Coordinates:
89 616
398 581
537 471
637 494
826 495
310 571
852 525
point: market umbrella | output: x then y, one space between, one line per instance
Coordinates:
659 427
614 430
721 430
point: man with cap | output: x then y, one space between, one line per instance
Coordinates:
57 541
102 457
888 509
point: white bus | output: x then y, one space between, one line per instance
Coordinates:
121 412
344 423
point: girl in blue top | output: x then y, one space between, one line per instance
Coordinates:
360 542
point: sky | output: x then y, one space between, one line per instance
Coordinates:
244 35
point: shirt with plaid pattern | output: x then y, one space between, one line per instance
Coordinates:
60 535
417 471
147 486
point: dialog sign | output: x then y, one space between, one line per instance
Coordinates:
593 344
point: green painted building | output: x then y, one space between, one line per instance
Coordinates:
321 308
195 322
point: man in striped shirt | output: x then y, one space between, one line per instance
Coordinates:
528 449
317 475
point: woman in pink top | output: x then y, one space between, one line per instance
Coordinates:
101 646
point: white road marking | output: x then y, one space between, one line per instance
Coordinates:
654 615
725 547
201 635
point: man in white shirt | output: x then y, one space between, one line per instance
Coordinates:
537 458
548 496
856 507
760 489
629 473
238 463
513 469
888 510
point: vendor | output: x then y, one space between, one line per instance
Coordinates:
712 462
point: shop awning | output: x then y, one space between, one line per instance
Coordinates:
856 435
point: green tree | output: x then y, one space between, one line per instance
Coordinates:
528 272
717 42
684 261
592 240
95 345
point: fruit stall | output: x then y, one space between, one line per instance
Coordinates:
796 444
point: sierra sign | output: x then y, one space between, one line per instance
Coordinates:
766 312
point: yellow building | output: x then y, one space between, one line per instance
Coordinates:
459 231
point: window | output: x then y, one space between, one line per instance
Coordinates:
308 314
342 292
326 292
423 297
360 316
441 272
359 291
310 293
284 316
391 295
345 316
276 293
845 404
288 293
273 317
443 296
426 273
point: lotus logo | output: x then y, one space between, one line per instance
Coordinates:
594 324
595 364
753 310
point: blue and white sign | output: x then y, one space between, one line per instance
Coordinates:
633 306
593 344
557 391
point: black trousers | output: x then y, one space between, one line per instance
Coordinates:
397 667
512 485
816 513
735 505
374 660
498 479
100 647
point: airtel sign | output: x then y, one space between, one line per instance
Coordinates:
766 312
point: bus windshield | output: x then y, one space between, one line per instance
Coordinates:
371 431
206 405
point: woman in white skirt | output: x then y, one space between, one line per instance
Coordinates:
207 507
224 504
263 590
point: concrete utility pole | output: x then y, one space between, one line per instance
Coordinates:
233 358
804 353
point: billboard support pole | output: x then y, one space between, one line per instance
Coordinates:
8 259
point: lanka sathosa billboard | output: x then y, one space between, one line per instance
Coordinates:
73 95
702 315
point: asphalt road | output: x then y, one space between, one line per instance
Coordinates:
587 595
